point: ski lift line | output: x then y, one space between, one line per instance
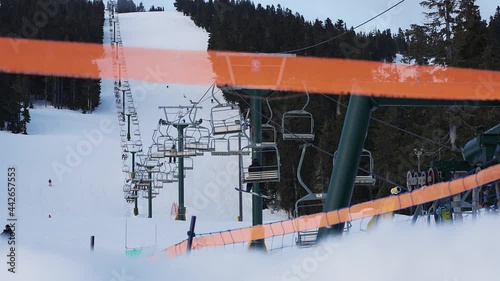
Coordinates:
330 154
345 32
396 127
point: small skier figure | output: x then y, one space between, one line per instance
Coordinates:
173 150
50 182
7 231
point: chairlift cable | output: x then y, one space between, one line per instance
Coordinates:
330 154
345 32
396 127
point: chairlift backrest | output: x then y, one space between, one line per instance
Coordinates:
363 178
297 125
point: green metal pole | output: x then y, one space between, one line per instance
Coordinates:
256 122
150 196
119 75
128 131
182 210
123 101
240 197
347 161
136 209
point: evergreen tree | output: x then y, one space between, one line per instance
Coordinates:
400 42
439 29
141 8
492 53
471 36
418 45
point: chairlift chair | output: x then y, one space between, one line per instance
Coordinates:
219 147
269 134
200 138
133 112
152 165
129 196
188 163
157 151
269 171
170 178
298 118
294 118
145 195
168 144
225 119
204 143
363 179
134 187
187 153
268 131
160 140
161 178
158 184
190 142
309 204
233 146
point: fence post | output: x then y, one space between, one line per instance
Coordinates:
92 239
191 234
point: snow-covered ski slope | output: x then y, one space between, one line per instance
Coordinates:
82 156
209 187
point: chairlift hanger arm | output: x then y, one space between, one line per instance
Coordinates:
299 169
213 94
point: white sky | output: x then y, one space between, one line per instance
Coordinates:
354 12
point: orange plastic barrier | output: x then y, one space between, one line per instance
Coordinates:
261 71
359 211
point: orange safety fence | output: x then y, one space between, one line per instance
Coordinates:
355 212
257 71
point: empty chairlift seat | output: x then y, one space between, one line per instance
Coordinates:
219 147
226 119
233 144
297 125
365 175
197 138
157 151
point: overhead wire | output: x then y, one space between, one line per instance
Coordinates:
345 32
396 127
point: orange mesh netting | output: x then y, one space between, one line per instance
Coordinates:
359 211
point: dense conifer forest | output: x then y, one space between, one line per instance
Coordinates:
66 20
455 35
